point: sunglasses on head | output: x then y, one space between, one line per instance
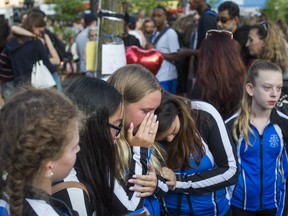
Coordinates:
117 128
264 25
213 31
222 19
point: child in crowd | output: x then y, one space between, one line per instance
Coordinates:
200 153
260 134
141 96
97 163
39 135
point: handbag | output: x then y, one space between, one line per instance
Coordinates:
41 76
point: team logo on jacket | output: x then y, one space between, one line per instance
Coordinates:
274 141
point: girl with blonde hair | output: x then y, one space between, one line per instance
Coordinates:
142 94
260 134
266 41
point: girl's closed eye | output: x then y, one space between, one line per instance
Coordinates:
267 88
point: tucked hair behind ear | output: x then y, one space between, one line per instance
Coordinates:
241 124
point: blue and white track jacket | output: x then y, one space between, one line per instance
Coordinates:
202 190
263 167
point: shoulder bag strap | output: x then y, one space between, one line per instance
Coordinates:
160 35
69 184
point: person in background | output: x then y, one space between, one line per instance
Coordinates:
56 48
140 20
39 135
25 51
71 65
220 82
200 153
165 40
266 41
129 39
228 16
184 27
90 54
136 32
228 19
148 29
49 25
82 38
260 135
206 22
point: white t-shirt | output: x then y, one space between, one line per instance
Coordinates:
168 43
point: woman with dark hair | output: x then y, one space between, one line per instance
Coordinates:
221 72
96 165
25 51
200 153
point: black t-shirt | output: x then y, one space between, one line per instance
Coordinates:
131 40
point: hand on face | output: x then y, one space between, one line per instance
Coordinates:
146 133
169 175
148 182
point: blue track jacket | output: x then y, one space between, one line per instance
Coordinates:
263 167
202 190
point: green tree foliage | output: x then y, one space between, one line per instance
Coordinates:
147 5
276 10
66 9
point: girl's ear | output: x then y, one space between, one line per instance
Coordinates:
48 169
249 89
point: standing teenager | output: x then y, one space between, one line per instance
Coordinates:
260 134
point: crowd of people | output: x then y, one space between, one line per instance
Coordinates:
206 135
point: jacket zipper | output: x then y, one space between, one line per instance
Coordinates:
261 171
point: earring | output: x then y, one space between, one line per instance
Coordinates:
49 175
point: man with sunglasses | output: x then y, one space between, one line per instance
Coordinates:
228 16
227 19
